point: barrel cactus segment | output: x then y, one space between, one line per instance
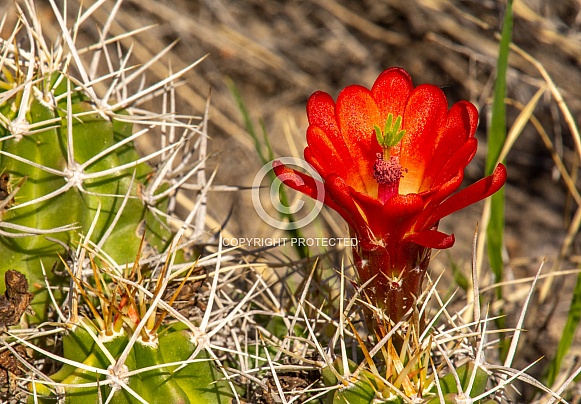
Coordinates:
70 170
79 176
88 219
127 353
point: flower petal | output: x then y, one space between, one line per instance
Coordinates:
323 149
423 121
357 115
461 123
325 141
432 239
330 155
321 112
391 92
402 207
301 182
296 180
341 194
333 152
471 194
453 168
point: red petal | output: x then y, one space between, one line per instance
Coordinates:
447 181
432 239
357 114
461 124
402 207
302 182
463 116
451 167
367 203
324 149
341 194
391 92
423 121
296 180
321 112
331 156
371 210
472 194
323 135
398 216
333 150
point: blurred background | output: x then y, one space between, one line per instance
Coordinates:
279 52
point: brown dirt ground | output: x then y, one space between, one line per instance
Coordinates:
279 52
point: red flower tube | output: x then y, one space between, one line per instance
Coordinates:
392 159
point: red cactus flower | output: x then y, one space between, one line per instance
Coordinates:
392 159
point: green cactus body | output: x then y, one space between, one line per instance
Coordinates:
362 391
193 382
365 389
449 384
46 146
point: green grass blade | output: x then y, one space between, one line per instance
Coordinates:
258 146
496 138
568 333
265 153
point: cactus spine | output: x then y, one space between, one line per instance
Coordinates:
79 171
85 217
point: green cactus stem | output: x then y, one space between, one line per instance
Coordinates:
163 371
79 169
127 353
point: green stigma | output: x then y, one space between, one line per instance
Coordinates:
391 134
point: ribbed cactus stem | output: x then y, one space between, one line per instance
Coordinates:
77 169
